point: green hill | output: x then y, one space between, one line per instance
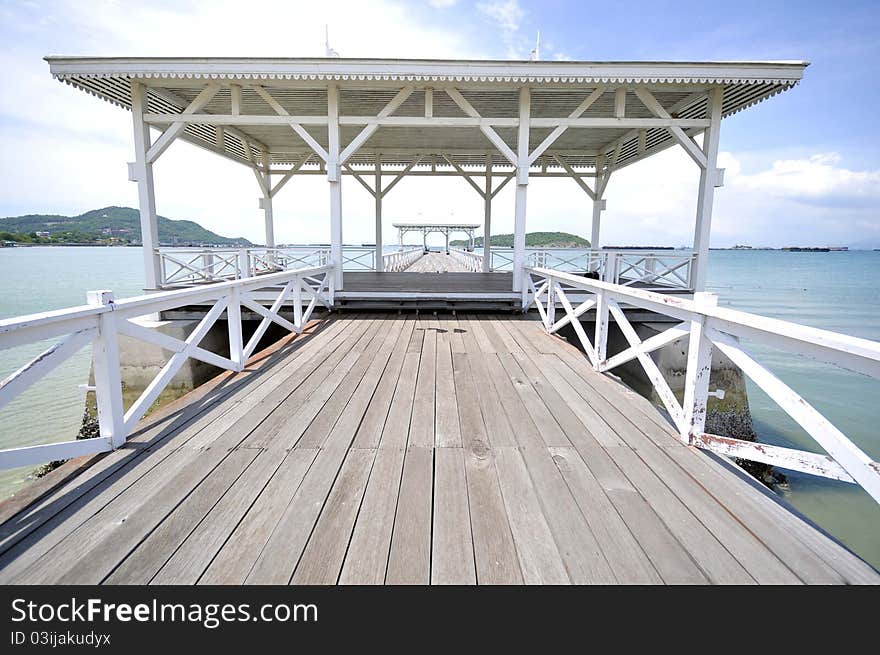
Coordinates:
533 240
107 225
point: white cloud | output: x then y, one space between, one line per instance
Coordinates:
507 13
442 4
816 180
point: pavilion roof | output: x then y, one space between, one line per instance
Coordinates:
366 86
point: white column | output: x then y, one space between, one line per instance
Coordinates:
378 187
334 177
522 182
709 179
142 173
266 203
487 216
598 203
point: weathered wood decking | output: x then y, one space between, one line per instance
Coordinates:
397 449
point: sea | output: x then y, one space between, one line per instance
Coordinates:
837 291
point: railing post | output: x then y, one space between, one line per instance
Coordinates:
160 266
551 303
108 382
244 263
298 304
610 272
699 370
233 322
208 264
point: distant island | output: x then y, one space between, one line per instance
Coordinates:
533 240
110 226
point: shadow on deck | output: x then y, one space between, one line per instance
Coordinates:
395 449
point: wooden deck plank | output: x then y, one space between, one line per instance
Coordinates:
626 558
580 551
367 559
343 410
409 561
192 558
494 550
150 554
369 432
495 553
421 431
236 557
452 549
537 397
539 556
447 432
288 421
322 559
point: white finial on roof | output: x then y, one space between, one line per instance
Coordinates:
536 53
328 51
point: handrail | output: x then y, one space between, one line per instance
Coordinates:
471 260
103 319
400 260
707 327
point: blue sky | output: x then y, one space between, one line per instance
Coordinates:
803 167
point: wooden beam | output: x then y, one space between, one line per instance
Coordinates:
463 174
175 129
619 102
575 177
289 174
400 175
557 132
491 134
370 129
676 131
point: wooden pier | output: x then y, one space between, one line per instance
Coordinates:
404 449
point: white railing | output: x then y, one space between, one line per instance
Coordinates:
103 319
186 267
655 270
470 260
707 327
400 260
189 266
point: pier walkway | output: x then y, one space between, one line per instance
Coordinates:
436 262
399 449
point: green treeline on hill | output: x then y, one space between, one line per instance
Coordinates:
533 240
109 225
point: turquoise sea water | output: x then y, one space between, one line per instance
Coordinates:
835 291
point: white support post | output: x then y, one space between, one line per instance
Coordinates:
298 306
334 178
108 383
598 203
266 204
142 173
487 218
233 322
699 370
522 182
551 304
244 263
380 263
709 179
